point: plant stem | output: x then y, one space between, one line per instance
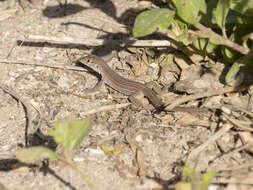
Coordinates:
223 40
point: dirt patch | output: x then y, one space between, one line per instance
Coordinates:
155 144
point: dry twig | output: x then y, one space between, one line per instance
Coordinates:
245 111
99 42
195 154
233 181
237 123
209 93
208 32
5 14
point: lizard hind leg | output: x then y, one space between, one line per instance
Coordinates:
139 100
155 87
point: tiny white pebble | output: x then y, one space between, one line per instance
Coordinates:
213 187
78 159
94 151
153 65
139 138
5 147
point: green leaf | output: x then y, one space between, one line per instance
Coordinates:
222 9
187 171
34 155
204 46
184 38
244 64
207 179
209 19
244 7
214 40
178 27
70 134
201 4
232 73
188 10
150 21
170 59
228 54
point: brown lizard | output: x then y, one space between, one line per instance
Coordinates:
133 89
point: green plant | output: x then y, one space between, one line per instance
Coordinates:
68 135
221 27
195 181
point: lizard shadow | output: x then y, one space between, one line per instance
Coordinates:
105 6
59 11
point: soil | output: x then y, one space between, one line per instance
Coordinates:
153 146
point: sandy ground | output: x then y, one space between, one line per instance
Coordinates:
160 145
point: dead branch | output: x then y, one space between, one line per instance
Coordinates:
99 42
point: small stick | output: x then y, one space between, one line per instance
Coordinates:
247 181
237 123
195 154
204 30
245 111
4 17
201 95
237 167
98 42
5 14
9 11
222 154
106 108
11 50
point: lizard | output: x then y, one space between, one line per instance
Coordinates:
133 89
